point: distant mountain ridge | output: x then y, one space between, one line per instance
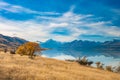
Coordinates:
85 47
10 42
51 44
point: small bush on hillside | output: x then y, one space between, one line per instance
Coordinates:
29 48
89 63
117 68
12 52
69 60
84 61
99 65
109 68
5 50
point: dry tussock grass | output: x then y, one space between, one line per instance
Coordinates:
16 67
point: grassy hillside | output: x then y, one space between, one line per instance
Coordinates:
16 67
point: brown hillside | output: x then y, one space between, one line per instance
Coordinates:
16 67
10 42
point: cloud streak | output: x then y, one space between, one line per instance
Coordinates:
44 27
19 9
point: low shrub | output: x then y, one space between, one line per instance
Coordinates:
109 68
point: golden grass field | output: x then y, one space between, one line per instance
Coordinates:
16 67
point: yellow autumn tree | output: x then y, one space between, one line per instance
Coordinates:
29 49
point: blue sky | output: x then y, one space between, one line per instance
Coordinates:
61 20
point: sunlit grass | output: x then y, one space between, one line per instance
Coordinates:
16 67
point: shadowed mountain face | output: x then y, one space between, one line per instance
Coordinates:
10 42
52 44
83 48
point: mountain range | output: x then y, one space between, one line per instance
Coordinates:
86 48
74 48
10 42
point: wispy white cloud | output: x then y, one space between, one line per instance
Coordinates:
41 27
28 29
19 9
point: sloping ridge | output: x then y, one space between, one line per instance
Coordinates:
10 42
